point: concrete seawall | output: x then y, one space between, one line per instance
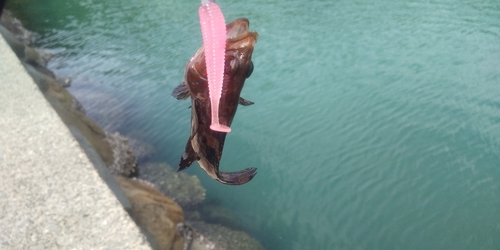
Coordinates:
51 196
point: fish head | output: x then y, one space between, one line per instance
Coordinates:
240 44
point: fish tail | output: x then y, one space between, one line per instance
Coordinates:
237 178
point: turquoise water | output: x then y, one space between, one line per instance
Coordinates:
376 124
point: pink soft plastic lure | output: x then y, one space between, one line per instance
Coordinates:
213 29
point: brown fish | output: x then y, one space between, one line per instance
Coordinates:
205 145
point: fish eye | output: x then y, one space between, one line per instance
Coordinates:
249 70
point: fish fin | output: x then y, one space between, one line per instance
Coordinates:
181 92
188 157
245 102
237 178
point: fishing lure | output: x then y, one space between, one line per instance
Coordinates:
213 29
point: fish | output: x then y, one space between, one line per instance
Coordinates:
205 145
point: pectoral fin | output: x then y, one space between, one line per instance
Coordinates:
245 102
188 157
181 92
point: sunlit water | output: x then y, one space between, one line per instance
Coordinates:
376 123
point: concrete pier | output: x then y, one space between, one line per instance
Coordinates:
51 196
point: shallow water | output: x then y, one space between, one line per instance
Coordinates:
376 124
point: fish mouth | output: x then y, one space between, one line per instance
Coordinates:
238 35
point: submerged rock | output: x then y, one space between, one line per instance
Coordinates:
123 159
25 53
65 81
185 189
192 215
212 236
141 150
77 105
35 58
137 140
155 213
195 241
14 25
219 215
